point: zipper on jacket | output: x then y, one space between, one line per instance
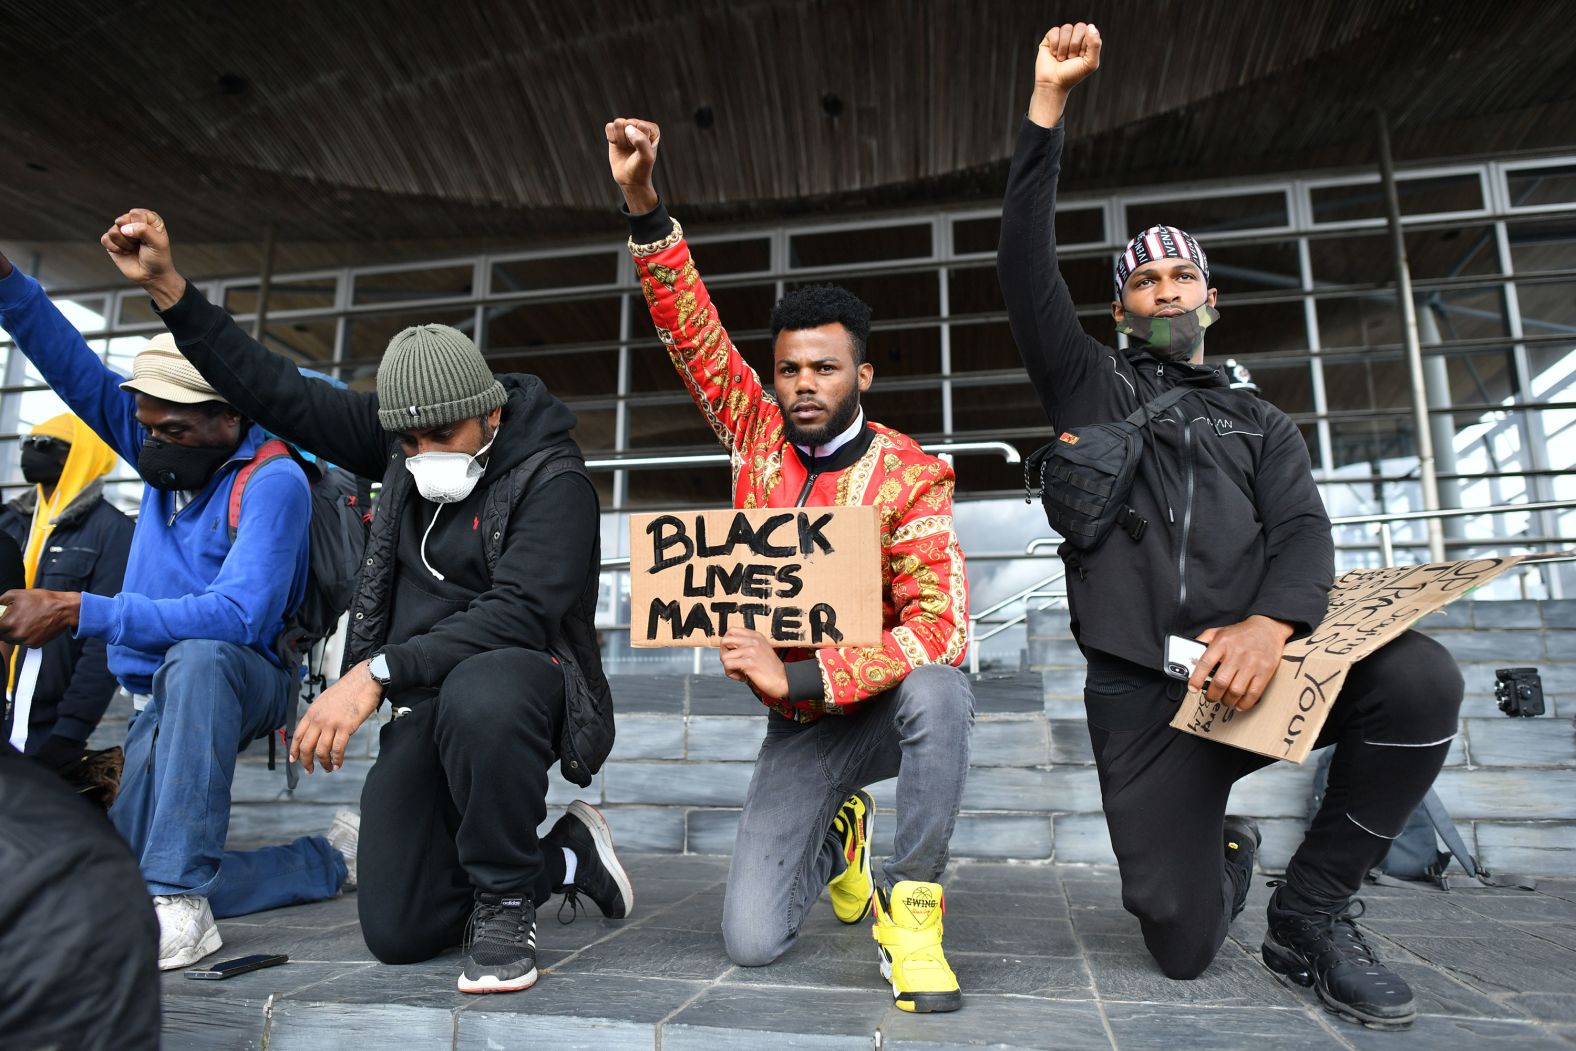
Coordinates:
804 494
1187 514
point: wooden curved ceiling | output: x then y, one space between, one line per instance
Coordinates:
356 125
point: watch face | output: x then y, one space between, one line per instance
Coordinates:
379 667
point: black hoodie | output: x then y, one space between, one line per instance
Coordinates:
1236 526
435 623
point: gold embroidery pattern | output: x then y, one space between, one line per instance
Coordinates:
674 237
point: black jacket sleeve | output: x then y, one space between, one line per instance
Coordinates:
540 574
341 426
1058 354
1298 548
92 686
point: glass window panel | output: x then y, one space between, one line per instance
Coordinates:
1377 382
843 246
402 286
1451 252
367 336
567 373
1546 245
305 342
309 293
1287 387
1357 321
594 431
1246 329
988 410
1254 267
976 235
1384 443
1351 259
716 258
742 308
668 488
678 425
1553 372
1204 215
981 475
982 347
905 352
1480 378
1464 313
137 309
1418 195
1073 226
1532 187
555 271
893 296
1546 307
974 290
523 326
915 412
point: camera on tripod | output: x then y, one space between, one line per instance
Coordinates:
1519 692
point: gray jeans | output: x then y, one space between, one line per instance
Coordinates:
786 850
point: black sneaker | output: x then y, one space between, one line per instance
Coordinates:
502 943
1242 841
1326 950
598 875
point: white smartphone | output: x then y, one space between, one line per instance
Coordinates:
1182 653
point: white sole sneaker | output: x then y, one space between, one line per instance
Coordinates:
490 984
207 945
602 836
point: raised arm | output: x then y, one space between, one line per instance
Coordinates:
727 391
341 426
1056 351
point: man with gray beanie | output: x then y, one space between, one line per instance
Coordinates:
191 634
473 617
1226 542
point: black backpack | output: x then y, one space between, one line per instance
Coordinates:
1083 477
337 540
1414 855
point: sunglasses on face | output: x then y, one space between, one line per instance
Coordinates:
45 444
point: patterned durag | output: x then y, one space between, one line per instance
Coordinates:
1159 242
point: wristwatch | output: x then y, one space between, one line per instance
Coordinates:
378 668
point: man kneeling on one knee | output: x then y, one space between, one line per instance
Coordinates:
191 634
475 600
841 718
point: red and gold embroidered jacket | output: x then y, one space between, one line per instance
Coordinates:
924 602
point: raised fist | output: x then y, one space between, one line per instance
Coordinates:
631 155
1067 55
140 246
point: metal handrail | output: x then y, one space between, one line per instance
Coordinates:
1006 450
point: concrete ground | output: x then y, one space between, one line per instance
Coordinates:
1046 956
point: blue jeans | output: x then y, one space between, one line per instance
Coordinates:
210 699
786 849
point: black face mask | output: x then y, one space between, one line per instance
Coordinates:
42 466
177 467
1170 338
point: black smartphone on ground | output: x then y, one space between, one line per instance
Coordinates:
231 968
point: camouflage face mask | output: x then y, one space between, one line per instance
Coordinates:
1170 338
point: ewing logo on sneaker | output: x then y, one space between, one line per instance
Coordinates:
920 904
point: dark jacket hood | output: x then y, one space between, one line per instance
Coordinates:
532 419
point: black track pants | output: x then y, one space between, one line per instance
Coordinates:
453 803
1165 791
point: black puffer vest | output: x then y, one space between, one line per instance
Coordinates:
588 701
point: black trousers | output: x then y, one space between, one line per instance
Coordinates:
79 943
452 804
1165 791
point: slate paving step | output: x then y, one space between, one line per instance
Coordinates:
1046 955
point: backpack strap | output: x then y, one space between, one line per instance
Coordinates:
1439 817
272 449
1158 404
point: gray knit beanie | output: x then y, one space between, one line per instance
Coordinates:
431 375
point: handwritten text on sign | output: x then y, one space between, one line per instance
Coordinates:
1368 608
803 576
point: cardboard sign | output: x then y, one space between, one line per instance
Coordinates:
1368 608
801 576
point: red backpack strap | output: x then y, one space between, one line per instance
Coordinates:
272 449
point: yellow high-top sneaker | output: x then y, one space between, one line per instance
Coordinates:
851 889
908 936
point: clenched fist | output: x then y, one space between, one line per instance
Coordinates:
139 244
632 154
1067 55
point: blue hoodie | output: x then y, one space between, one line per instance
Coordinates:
184 579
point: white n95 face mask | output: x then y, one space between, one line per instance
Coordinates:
447 478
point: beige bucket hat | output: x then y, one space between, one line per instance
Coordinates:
161 371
